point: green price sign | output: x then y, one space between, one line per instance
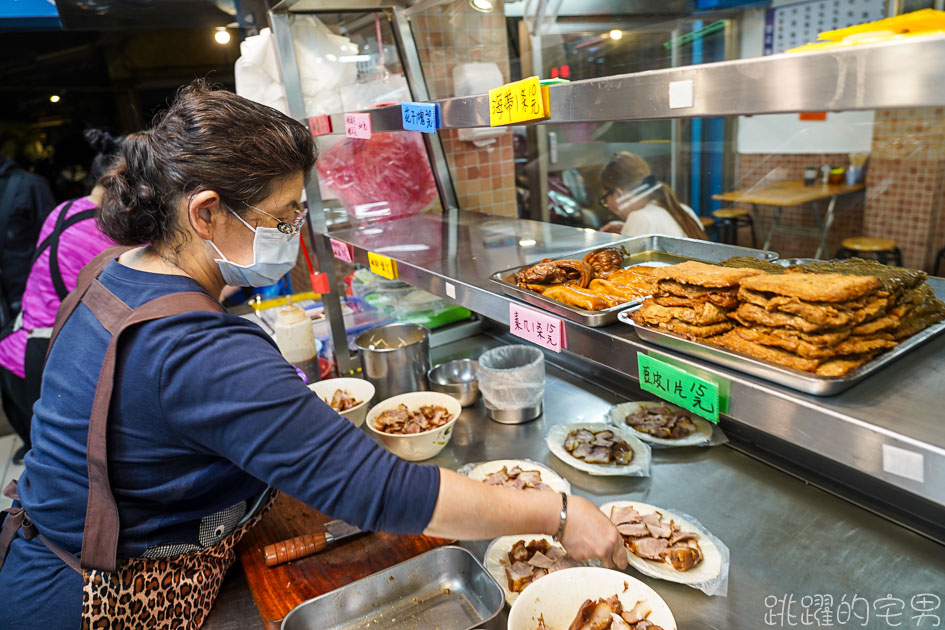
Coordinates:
698 395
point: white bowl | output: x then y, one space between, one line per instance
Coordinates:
359 388
558 596
416 446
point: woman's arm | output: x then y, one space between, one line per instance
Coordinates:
470 510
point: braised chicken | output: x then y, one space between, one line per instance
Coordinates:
605 260
555 272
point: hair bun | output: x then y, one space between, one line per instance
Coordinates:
101 141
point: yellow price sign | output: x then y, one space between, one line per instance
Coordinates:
382 266
518 102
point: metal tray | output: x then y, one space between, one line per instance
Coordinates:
446 588
640 249
790 377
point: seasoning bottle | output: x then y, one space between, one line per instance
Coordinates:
810 175
296 340
825 174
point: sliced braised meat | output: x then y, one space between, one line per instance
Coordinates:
637 614
517 479
402 420
683 557
555 553
621 453
663 530
518 553
541 561
648 548
633 530
530 477
571 442
583 450
620 515
683 427
519 575
619 624
515 484
584 434
681 536
652 519
598 455
661 422
601 447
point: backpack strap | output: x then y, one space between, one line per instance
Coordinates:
51 242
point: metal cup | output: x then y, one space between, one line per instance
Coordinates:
395 358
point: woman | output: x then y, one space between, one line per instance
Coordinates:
153 454
644 205
68 240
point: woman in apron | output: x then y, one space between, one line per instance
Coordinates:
68 240
164 422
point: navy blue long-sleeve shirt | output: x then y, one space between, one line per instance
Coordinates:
206 413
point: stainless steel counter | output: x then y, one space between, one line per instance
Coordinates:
900 407
786 537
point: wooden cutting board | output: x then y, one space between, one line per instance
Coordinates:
278 590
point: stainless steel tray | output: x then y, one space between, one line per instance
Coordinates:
795 379
446 588
639 249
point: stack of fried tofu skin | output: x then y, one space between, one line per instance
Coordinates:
826 317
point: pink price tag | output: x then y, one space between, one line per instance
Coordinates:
341 251
319 125
358 125
534 326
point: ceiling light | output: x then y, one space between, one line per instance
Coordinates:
616 34
483 6
221 35
54 98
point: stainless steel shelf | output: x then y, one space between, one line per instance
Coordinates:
898 407
891 75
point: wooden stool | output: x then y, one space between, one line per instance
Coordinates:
729 220
884 250
939 259
708 224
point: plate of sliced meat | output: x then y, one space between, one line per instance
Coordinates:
520 474
662 423
600 449
517 561
666 545
588 598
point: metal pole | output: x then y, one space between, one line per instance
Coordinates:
318 223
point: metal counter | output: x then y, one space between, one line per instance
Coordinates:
787 538
897 412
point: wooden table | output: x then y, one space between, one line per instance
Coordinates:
277 590
793 193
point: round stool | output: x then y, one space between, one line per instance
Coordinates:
708 224
883 250
729 220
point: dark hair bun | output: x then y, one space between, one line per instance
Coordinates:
101 141
132 210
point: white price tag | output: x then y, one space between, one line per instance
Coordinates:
680 94
450 291
908 464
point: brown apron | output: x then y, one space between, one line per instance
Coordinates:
167 592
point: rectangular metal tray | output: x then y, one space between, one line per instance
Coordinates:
446 588
795 379
647 248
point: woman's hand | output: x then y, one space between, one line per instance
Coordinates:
613 227
588 533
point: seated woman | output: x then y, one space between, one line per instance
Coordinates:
645 205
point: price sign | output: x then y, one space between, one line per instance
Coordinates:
319 125
698 395
539 328
358 125
341 251
518 102
382 266
423 117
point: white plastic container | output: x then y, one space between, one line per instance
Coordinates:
296 340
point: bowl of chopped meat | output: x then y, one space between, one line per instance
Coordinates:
415 426
350 397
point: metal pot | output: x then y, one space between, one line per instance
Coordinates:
459 379
395 358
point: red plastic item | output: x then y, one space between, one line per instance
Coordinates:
324 365
384 177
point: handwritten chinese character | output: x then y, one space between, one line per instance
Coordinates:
678 390
646 375
518 324
780 611
539 331
856 608
925 604
889 608
534 100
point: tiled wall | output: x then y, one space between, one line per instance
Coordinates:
757 169
453 33
907 183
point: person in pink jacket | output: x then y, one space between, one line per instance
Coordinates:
68 240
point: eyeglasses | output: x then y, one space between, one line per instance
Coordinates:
603 200
286 227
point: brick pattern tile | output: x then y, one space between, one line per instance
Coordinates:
454 33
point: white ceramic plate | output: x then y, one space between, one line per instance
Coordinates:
706 571
639 466
497 558
702 434
359 388
548 476
558 597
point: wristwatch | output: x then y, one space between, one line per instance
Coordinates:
564 517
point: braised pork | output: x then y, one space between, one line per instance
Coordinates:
403 420
652 537
598 447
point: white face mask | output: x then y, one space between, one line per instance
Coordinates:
274 255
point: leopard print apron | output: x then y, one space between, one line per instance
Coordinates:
174 591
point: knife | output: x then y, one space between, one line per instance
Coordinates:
302 546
